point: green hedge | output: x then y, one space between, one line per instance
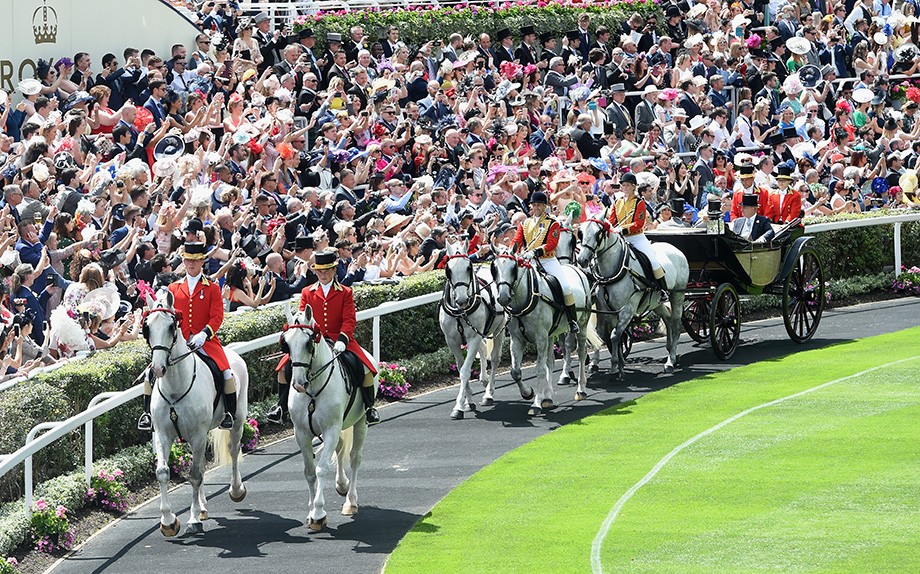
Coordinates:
421 25
865 250
66 391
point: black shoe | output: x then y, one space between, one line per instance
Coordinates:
230 406
277 415
145 423
373 417
227 423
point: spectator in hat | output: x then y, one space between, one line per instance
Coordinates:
750 225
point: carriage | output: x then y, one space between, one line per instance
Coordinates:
723 266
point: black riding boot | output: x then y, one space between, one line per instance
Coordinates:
229 408
663 285
145 423
570 315
367 395
279 413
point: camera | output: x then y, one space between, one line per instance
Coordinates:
51 280
19 302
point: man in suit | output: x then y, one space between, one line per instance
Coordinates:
836 53
617 114
571 54
286 285
589 145
452 50
548 43
584 36
485 48
602 42
542 139
504 53
770 82
526 52
703 166
270 44
555 78
338 70
307 40
645 112
596 69
689 89
155 104
354 44
390 41
751 226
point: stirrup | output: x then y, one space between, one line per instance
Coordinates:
573 327
372 416
145 423
227 423
664 296
277 415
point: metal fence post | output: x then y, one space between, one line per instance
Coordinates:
376 337
88 452
28 486
897 248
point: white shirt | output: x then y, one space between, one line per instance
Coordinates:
743 226
326 287
192 282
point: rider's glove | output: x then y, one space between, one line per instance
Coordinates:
530 255
197 341
338 347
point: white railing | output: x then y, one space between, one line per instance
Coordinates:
105 402
897 220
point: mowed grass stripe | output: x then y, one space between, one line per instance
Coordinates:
538 508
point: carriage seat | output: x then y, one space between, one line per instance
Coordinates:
647 274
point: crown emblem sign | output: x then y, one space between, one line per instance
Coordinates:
45 24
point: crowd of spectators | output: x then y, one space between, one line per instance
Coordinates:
267 148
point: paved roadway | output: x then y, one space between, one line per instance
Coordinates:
411 461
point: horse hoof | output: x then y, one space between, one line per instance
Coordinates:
456 415
593 369
534 412
349 510
317 525
565 380
580 396
546 404
241 497
528 397
343 491
203 515
170 531
472 407
486 402
669 369
194 528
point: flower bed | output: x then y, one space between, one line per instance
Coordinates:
250 438
392 380
51 530
909 281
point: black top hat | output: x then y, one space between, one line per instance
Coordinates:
677 206
628 178
170 147
749 200
784 171
573 35
757 53
305 33
194 250
789 133
527 30
746 169
111 258
502 34
118 211
777 42
775 140
325 260
546 37
538 197
194 225
293 225
672 11
333 37
302 242
714 205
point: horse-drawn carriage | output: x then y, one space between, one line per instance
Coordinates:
722 266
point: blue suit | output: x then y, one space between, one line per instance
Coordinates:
156 108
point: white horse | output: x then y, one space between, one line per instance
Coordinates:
324 406
620 296
182 405
536 318
470 315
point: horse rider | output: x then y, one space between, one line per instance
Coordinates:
628 217
199 307
537 236
334 312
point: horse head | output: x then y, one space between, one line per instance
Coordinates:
566 246
505 269
460 278
299 339
594 234
161 330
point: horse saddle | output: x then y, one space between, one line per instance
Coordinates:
353 369
555 288
648 277
216 375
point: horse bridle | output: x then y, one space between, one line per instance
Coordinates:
314 335
594 269
475 287
534 294
569 259
173 415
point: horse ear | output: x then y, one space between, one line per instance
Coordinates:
288 315
307 315
169 299
151 302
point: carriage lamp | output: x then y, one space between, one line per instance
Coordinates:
715 224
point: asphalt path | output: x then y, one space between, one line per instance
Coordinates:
411 461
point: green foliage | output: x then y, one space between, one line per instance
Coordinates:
864 250
425 366
8 566
50 527
419 26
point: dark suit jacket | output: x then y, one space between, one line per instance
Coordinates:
588 145
761 228
502 55
525 55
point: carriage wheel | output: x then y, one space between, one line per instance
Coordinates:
626 342
804 297
725 321
696 319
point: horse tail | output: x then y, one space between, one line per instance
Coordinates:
219 439
343 450
593 339
490 344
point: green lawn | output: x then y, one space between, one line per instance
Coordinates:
825 482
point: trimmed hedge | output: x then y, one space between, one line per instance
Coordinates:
66 391
864 250
418 25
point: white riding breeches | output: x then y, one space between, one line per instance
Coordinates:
552 267
642 243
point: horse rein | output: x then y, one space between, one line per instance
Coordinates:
533 297
476 286
595 254
173 415
315 336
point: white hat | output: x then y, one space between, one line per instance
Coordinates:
880 38
740 20
694 40
798 45
863 95
698 11
30 87
697 122
650 89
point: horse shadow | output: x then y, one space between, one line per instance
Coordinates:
245 534
375 530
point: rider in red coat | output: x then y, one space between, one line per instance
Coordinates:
333 307
199 308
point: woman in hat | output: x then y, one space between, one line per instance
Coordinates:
245 47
